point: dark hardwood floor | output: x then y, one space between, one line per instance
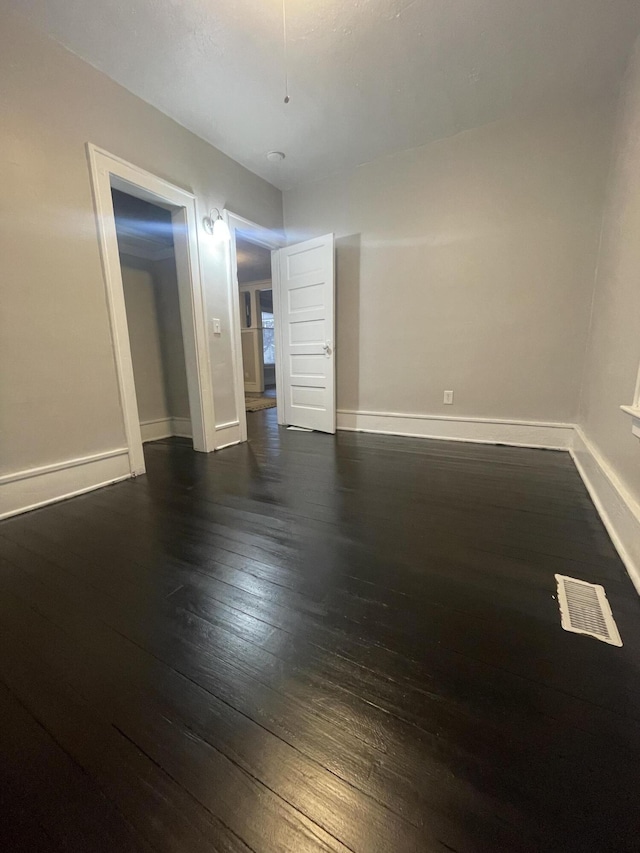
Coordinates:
317 643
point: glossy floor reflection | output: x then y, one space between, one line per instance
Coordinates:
316 643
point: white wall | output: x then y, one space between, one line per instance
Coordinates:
59 395
171 339
613 354
155 335
467 264
141 299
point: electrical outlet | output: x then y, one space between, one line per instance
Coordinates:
215 324
448 397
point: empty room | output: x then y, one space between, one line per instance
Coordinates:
320 426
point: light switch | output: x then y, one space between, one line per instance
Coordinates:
215 324
448 397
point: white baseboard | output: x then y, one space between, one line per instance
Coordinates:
557 436
619 511
155 430
25 490
181 427
227 434
164 428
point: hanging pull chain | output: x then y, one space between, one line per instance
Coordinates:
284 45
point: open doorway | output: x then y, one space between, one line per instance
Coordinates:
303 311
252 255
150 284
110 173
257 325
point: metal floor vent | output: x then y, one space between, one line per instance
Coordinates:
584 609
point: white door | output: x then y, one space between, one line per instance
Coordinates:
307 337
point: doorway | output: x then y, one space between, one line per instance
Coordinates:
110 173
150 284
254 296
257 324
303 309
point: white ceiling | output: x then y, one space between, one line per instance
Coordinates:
367 77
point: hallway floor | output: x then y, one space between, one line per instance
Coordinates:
317 643
259 401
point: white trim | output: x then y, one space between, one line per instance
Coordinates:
181 427
154 430
619 511
557 436
109 171
25 490
634 411
59 466
229 434
278 334
270 240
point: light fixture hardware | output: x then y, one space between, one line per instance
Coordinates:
215 225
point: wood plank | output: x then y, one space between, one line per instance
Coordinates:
316 643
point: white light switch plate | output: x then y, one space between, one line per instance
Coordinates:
215 325
448 397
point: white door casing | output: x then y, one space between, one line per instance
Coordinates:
108 171
307 339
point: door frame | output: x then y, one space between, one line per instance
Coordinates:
110 172
270 240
